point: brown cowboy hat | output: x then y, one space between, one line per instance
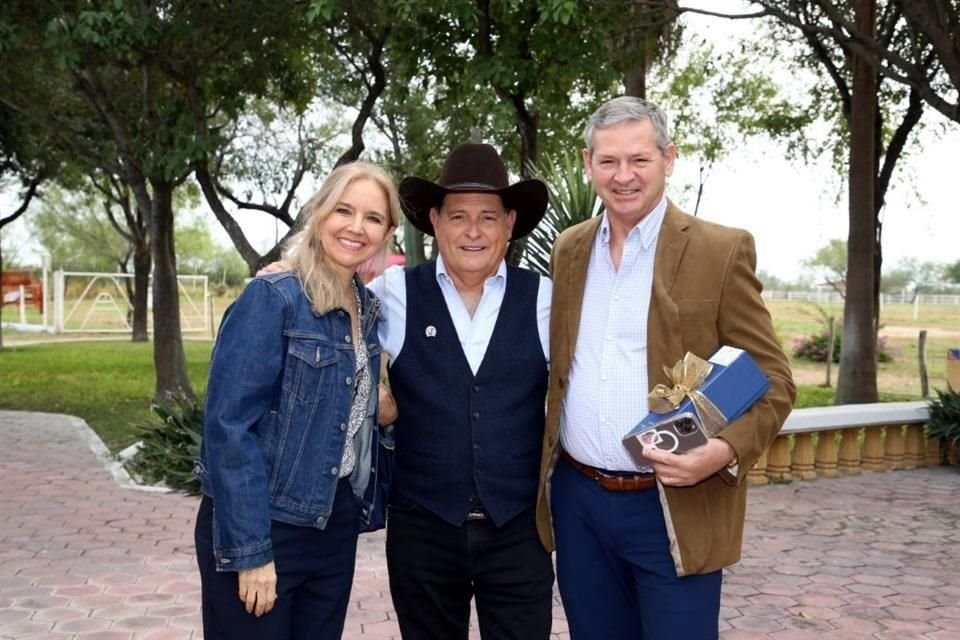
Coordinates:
472 168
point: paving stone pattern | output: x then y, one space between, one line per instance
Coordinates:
84 557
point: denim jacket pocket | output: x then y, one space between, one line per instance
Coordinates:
309 363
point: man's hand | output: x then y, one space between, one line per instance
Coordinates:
693 466
258 588
388 411
274 267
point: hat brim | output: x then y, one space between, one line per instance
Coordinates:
528 198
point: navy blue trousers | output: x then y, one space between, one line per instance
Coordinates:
614 569
314 576
435 569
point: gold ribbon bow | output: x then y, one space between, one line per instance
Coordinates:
687 375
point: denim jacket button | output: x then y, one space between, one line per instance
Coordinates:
343 426
349 381
334 471
347 339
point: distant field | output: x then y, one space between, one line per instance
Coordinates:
942 323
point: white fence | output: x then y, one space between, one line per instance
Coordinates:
826 295
86 302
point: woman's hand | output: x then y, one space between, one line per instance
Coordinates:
258 588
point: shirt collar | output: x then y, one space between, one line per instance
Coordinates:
500 275
647 229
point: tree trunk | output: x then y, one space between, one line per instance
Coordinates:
529 129
635 81
857 381
169 360
141 281
413 249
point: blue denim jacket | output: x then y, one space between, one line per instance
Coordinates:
278 401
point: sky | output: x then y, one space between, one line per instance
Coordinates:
791 209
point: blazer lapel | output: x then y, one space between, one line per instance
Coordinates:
576 280
663 335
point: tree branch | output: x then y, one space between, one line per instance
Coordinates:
31 192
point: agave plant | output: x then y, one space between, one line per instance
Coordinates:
170 442
944 420
571 200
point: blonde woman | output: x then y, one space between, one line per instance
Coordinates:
289 456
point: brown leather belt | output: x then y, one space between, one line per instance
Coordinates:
610 481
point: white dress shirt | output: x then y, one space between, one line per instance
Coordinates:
607 390
474 332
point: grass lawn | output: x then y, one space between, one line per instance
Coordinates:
108 384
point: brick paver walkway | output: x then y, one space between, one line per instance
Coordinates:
81 556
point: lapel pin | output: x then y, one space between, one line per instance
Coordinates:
431 331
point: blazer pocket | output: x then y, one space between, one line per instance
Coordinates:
698 325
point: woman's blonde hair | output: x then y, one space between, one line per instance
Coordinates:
304 250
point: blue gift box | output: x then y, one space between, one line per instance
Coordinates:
734 384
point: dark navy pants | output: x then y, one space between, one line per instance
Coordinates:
314 575
436 568
614 569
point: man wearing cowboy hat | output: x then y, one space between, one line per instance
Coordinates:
468 342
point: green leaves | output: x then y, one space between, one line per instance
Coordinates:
170 444
571 200
944 421
321 11
562 11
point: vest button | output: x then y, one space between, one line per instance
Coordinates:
476 415
476 387
476 445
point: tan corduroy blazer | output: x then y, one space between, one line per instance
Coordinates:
705 295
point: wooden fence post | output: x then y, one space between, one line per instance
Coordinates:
922 357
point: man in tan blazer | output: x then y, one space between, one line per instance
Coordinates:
640 549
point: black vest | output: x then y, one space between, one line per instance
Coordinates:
463 439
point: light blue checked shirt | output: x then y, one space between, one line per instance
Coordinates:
607 392
474 332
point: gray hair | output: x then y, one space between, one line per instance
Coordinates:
628 109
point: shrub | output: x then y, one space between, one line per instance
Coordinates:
170 442
814 348
944 421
